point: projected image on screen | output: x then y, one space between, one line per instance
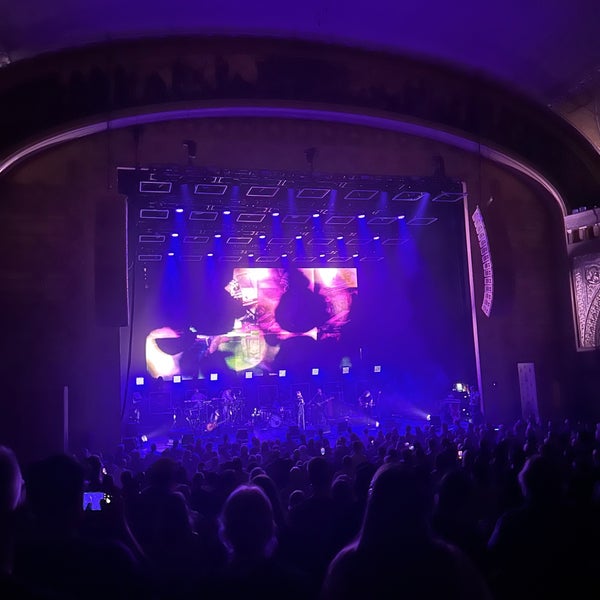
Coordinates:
280 315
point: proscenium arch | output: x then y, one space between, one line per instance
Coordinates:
375 120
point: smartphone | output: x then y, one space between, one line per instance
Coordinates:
92 500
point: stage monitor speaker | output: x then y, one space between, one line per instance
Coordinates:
241 435
110 262
188 439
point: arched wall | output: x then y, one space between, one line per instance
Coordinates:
49 207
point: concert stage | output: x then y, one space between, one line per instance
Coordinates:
271 286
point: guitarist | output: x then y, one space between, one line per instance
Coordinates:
318 408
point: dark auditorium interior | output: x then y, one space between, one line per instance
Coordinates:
301 301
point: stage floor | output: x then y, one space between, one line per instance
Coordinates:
141 435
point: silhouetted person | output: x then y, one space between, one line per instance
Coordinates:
395 550
534 549
248 531
56 556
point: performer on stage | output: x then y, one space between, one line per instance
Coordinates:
366 401
228 402
301 416
318 408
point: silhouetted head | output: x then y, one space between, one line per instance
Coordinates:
319 475
540 480
55 489
10 481
398 507
163 473
247 524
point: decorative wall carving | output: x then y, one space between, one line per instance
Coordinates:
585 274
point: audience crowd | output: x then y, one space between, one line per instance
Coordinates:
460 511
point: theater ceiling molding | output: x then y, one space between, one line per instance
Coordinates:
367 119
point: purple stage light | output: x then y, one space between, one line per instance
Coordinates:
179 210
174 235
139 381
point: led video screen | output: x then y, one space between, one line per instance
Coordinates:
276 313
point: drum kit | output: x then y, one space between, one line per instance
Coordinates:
202 412
265 417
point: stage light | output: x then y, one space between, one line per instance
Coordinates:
144 438
179 210
375 237
276 214
248 374
400 217
345 370
251 255
315 371
361 216
377 369
377 423
226 212
340 237
210 254
139 381
176 378
217 235
174 235
429 417
284 255
321 255
282 372
298 237
355 255
170 253
214 376
262 236
316 215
